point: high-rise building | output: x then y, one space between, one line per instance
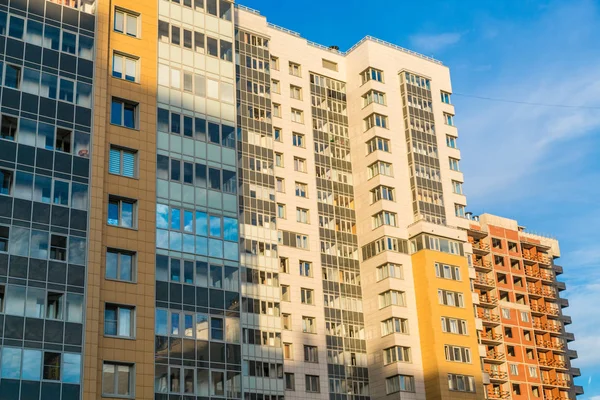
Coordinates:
525 352
196 203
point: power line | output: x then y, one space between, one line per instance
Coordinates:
526 102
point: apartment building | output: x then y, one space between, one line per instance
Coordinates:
525 345
197 203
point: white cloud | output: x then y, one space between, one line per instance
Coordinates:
430 43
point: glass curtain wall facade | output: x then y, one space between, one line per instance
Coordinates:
47 68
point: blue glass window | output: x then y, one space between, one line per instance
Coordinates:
71 372
175 270
162 216
230 229
51 37
215 248
16 27
32 365
215 226
160 326
176 219
201 223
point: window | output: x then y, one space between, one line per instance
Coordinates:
447 271
451 141
290 382
396 354
382 193
302 215
277 134
449 298
378 143
373 96
277 110
124 113
512 246
510 350
446 97
516 389
275 86
122 162
312 384
399 383
305 268
285 293
454 325
126 22
536 391
58 248
460 210
449 119
4 234
530 354
280 185
454 166
286 322
389 270
225 48
295 69
119 321
288 352
371 74
506 313
6 181
457 187
281 211
125 67
379 167
514 369
309 325
533 372
524 316
275 63
299 164
120 265
392 297
121 212
298 139
461 383
496 243
297 116
295 92
457 354
383 218
311 354
376 120
16 27
12 76
301 189
279 160
117 380
8 128
307 296
54 305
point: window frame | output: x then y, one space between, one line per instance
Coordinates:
121 200
126 13
124 58
132 372
120 252
122 151
132 321
123 103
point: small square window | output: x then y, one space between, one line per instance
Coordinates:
120 265
122 162
124 113
8 129
119 320
118 380
122 212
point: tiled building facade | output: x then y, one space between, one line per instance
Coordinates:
196 203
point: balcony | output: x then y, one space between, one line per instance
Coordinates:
497 376
555 382
536 258
575 372
558 270
549 292
481 248
572 354
552 363
495 356
566 320
549 327
564 303
535 309
534 291
483 281
561 286
482 264
569 337
490 337
578 390
489 319
485 300
551 345
498 394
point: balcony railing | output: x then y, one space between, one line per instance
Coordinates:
492 337
481 246
481 263
555 382
549 344
498 375
495 355
498 394
483 281
489 317
487 299
540 258
553 363
534 290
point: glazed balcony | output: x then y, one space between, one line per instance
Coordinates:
87 6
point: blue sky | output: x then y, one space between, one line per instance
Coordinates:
540 165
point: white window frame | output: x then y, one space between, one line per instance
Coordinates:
127 13
124 59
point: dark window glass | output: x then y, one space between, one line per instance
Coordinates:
68 42
199 5
163 120
175 123
187 39
188 126
213 133
175 32
214 178
226 51
199 42
12 76
200 128
212 47
162 167
163 31
16 27
188 173
228 136
8 128
175 170
211 7
201 175
129 120
225 10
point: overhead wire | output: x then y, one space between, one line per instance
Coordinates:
526 102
